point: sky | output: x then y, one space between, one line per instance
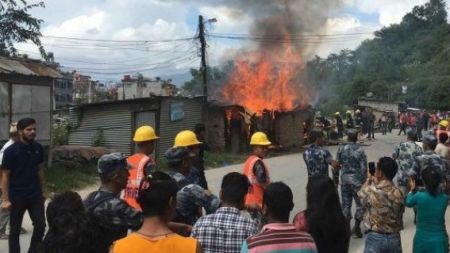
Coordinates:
156 37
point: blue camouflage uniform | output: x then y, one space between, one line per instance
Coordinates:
353 162
405 155
429 159
317 160
190 198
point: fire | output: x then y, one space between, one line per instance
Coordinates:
267 80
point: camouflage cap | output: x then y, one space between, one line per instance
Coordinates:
109 162
429 140
177 154
411 133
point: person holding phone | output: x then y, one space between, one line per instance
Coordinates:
430 206
383 205
353 161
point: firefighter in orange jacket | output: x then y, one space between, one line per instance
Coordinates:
141 163
257 171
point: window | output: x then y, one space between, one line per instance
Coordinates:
176 111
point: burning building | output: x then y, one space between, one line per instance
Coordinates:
230 126
266 89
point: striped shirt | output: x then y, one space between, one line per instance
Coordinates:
280 238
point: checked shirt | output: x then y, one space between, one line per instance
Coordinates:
223 231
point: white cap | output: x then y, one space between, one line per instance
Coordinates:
13 128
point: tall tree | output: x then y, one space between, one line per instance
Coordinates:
17 25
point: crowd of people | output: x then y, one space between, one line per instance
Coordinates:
140 207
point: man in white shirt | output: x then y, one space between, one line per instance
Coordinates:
441 148
4 214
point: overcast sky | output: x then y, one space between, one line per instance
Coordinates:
159 20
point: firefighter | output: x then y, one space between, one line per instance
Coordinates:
257 171
339 124
141 163
188 139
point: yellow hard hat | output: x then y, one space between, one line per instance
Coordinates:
444 123
337 113
145 133
186 138
260 138
349 112
358 111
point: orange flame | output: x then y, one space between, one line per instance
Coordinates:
262 80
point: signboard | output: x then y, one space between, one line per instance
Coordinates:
176 111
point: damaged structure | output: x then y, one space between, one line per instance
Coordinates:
230 127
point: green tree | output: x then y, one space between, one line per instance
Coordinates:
17 25
415 52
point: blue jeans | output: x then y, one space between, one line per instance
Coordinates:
382 243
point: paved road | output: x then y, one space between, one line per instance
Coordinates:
291 170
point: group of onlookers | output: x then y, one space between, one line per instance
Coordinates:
139 208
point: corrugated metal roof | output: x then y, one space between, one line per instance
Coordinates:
27 67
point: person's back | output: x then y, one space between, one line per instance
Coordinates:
323 218
430 211
279 235
225 230
113 214
157 198
430 205
138 243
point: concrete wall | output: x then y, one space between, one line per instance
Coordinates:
380 106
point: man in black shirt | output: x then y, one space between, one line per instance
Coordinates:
22 183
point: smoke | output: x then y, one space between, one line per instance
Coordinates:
273 19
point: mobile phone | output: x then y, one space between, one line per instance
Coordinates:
372 168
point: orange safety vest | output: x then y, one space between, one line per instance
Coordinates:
138 162
256 192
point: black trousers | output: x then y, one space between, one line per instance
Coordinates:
36 209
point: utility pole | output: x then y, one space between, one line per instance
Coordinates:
201 37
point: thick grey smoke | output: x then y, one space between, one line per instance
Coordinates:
275 18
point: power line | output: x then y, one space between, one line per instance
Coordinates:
120 41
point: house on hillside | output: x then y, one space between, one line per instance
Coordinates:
116 121
26 90
141 87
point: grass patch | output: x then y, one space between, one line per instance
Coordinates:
61 178
215 160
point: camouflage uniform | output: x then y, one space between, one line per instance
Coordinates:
405 154
115 214
190 198
317 160
383 205
429 159
353 162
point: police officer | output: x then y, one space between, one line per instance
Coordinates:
429 159
188 139
405 155
353 162
318 158
191 196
